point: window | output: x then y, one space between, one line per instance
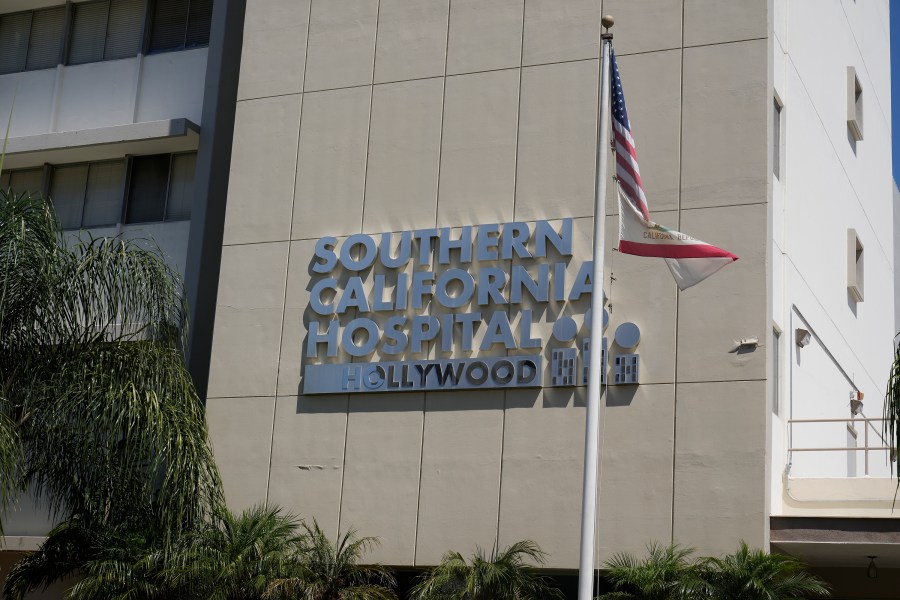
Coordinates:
179 24
854 105
31 40
160 188
106 30
25 181
855 266
776 138
88 195
96 30
776 370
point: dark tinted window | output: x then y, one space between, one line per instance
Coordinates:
178 24
124 33
47 33
14 32
147 192
88 32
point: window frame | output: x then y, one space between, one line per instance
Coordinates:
48 186
777 137
855 103
63 44
855 266
165 208
144 32
149 24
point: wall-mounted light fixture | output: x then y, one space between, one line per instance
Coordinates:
872 572
856 403
802 337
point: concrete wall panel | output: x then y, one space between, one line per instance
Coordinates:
557 31
341 50
645 26
412 39
484 35
478 155
720 465
635 500
730 305
308 458
557 141
404 156
241 434
249 314
540 487
273 57
331 163
725 125
381 473
263 164
460 488
715 22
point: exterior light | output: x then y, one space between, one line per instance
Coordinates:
872 573
802 337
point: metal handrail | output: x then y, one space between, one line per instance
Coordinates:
867 421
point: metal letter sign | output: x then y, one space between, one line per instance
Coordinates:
405 312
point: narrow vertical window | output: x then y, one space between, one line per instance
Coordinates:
776 138
855 266
147 192
88 32
854 105
103 198
45 43
776 371
67 193
14 33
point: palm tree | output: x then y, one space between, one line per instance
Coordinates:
756 575
666 573
109 562
891 425
332 571
502 576
98 414
234 557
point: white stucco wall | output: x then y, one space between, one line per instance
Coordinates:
828 185
102 94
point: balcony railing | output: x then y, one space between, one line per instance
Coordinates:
867 424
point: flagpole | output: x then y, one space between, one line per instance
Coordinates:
592 425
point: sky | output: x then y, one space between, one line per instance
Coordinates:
895 86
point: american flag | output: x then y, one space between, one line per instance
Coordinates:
690 260
627 171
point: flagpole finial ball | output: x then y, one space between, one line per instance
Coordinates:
607 21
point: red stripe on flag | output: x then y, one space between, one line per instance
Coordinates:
674 251
623 141
623 164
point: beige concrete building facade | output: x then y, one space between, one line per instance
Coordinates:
360 116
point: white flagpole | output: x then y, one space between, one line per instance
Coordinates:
592 426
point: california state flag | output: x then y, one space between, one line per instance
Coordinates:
690 260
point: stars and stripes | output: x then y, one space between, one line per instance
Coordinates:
689 259
628 173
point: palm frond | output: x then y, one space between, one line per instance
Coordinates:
107 419
504 574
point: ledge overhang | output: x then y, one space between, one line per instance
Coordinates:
103 143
